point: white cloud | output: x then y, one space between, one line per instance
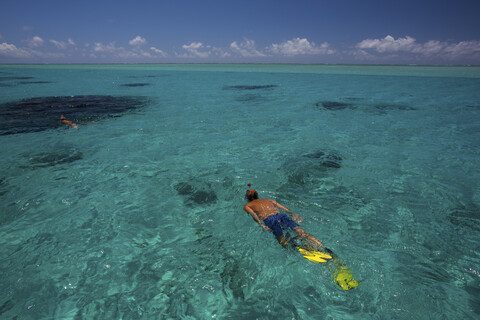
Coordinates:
11 50
59 44
100 47
246 48
463 48
429 48
193 46
362 55
388 44
35 42
221 53
158 52
137 41
112 51
299 46
193 50
432 48
63 45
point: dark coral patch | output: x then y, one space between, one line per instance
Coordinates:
12 81
251 87
53 158
334 105
327 160
3 186
10 78
465 219
34 82
42 113
133 85
388 107
196 194
311 167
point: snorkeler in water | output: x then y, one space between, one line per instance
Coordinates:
70 123
268 212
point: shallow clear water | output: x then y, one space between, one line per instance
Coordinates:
140 216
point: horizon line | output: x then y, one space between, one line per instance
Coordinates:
242 63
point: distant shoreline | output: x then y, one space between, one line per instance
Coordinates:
248 63
342 69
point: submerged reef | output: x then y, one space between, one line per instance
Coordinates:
327 160
133 85
53 158
43 113
250 97
334 105
196 193
250 87
311 167
3 186
465 219
380 107
10 78
35 82
388 107
12 81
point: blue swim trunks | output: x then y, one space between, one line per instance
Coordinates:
279 222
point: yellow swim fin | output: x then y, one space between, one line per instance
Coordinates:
344 278
341 275
315 256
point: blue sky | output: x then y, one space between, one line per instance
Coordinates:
224 31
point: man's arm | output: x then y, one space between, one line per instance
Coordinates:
295 217
255 217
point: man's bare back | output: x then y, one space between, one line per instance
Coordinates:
265 208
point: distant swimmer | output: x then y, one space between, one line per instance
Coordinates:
268 212
70 123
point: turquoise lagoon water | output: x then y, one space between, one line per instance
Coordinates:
139 214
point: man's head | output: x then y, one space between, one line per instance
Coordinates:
251 194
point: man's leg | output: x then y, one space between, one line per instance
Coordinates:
283 240
307 236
